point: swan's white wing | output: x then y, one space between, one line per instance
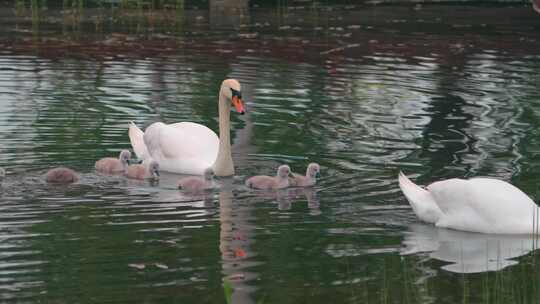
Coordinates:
483 205
190 140
184 147
151 140
137 141
450 194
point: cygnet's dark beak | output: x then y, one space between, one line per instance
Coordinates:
318 174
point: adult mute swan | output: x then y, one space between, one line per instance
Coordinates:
484 205
191 148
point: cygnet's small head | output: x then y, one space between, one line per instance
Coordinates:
2 173
232 90
125 156
283 171
153 168
208 174
313 170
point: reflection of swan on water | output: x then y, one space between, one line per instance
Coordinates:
467 252
314 204
236 235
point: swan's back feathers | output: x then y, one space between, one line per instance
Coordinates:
192 141
183 147
484 205
421 200
136 137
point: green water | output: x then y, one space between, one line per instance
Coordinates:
435 91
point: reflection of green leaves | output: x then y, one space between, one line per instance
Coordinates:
20 8
227 290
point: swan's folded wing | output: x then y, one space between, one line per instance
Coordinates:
189 141
152 140
136 137
450 194
457 203
486 196
483 205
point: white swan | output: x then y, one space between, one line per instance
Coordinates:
191 148
483 205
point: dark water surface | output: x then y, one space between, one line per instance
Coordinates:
436 91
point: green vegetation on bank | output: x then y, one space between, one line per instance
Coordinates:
79 4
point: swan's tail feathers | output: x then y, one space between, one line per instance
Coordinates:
421 200
136 137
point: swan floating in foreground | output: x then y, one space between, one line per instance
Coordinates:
485 205
191 148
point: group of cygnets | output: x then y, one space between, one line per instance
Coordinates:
121 166
107 165
284 178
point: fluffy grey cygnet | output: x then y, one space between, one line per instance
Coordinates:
197 183
310 179
61 175
263 182
111 165
143 171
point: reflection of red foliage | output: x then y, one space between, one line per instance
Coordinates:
240 253
236 277
392 30
239 237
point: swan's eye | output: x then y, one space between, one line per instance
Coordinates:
236 93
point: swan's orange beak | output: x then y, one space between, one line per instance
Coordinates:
238 104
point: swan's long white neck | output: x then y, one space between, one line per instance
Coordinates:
224 164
